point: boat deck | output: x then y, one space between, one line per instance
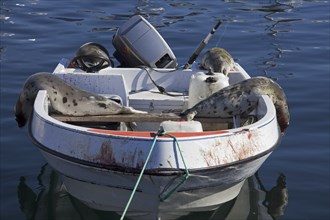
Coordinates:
134 87
147 119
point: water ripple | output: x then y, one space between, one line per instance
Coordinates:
116 17
38 13
181 4
4 18
68 19
4 34
105 29
286 40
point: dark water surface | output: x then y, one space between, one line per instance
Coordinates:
285 40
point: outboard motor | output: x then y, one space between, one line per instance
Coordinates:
138 43
91 57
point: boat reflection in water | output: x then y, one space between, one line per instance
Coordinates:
51 201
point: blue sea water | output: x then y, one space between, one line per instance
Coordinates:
286 40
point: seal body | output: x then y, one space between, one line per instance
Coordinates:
64 98
240 99
217 60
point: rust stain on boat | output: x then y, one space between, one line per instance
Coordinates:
106 154
249 135
139 160
242 145
245 152
213 157
128 159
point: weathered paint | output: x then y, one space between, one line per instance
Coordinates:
232 148
131 158
106 154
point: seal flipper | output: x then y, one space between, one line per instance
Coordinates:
131 110
188 115
21 120
21 117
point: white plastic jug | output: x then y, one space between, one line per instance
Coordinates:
202 85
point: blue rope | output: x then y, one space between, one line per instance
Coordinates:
140 176
163 195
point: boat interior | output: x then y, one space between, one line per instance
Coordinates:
155 85
139 88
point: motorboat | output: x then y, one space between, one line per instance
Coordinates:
149 162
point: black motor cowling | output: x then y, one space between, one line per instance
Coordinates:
91 57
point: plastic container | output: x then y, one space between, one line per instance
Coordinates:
202 85
182 126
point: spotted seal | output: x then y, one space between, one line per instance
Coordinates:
65 99
217 60
240 99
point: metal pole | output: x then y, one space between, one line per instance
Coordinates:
201 46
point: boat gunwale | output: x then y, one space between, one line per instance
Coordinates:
40 101
151 172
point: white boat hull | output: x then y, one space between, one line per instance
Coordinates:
101 167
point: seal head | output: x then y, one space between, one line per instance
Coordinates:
217 60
